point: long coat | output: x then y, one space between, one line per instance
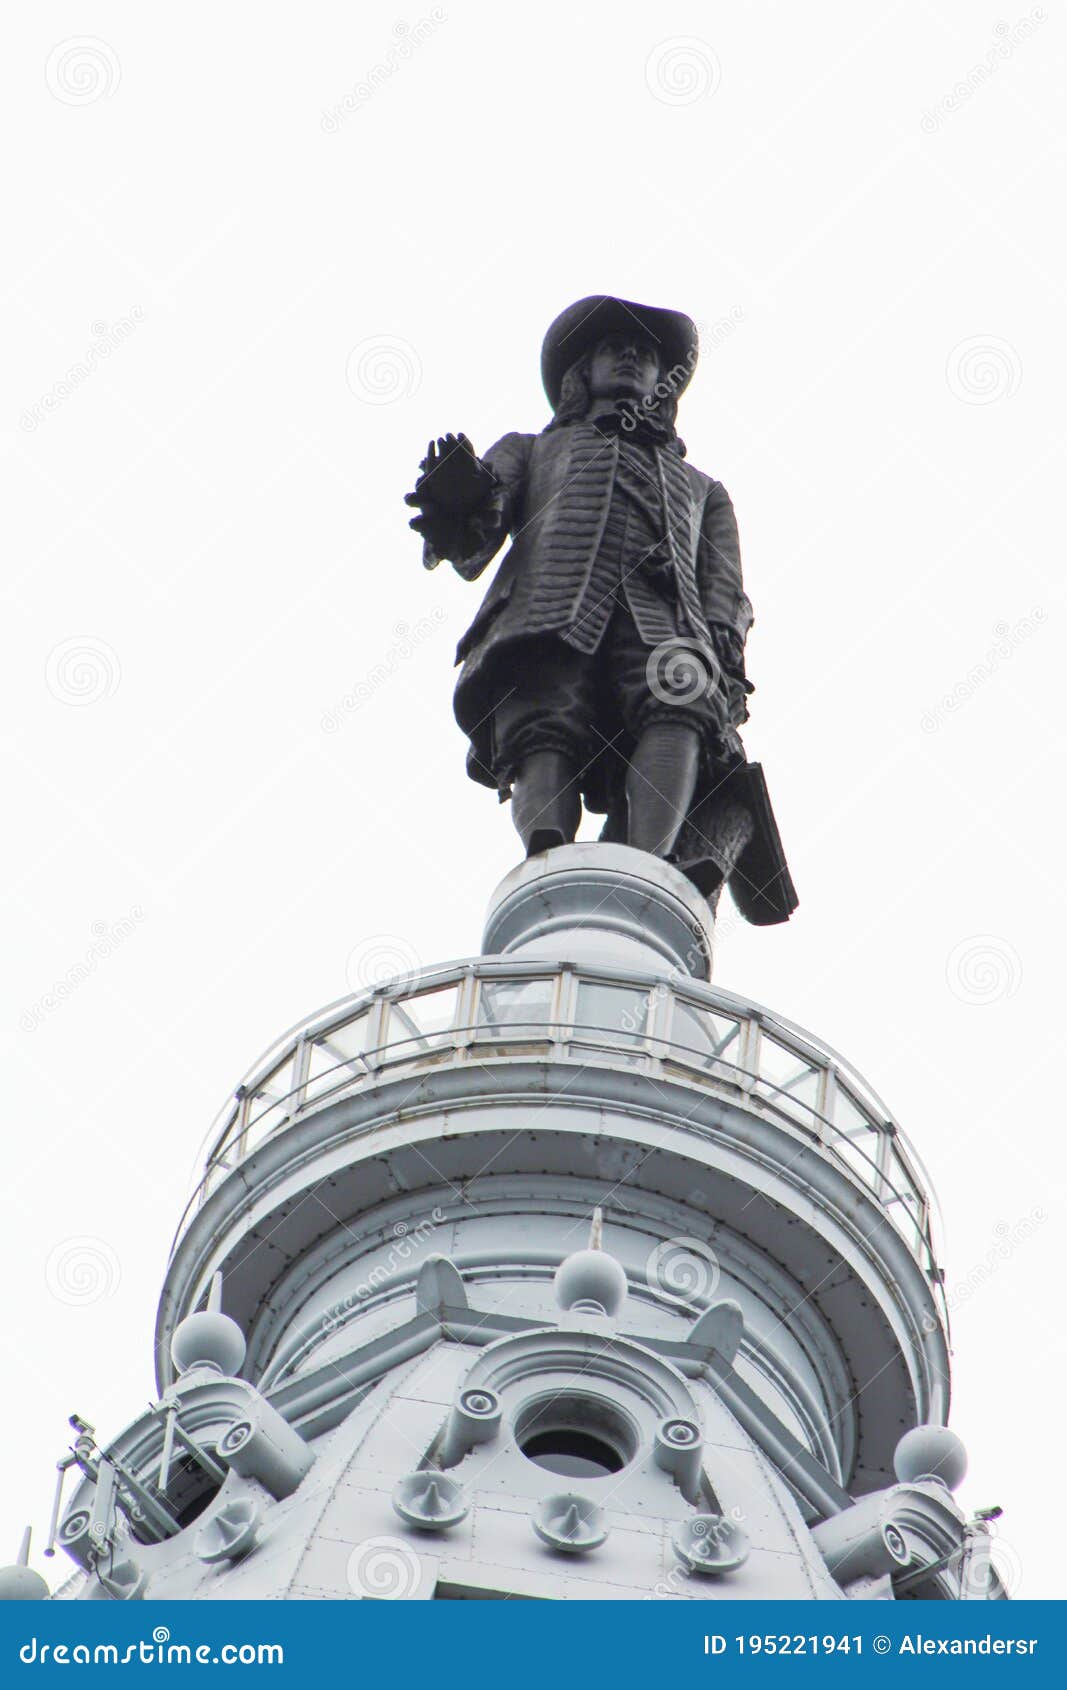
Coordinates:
553 497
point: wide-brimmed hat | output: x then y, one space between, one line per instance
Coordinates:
588 320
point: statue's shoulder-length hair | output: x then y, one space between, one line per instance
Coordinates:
575 400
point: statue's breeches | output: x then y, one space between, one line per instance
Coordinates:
592 707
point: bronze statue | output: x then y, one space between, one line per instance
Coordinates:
605 665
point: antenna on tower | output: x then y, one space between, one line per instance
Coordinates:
167 1452
596 1230
62 1466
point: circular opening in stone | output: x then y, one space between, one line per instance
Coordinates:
189 1491
576 1436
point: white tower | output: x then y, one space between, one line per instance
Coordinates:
557 1272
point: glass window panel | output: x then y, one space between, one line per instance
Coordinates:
905 1215
902 1179
278 1083
348 1040
227 1136
618 1011
271 1101
860 1154
787 1080
799 1103
261 1103
513 1003
784 1068
401 1034
702 1036
849 1118
334 1059
264 1120
903 1184
431 1015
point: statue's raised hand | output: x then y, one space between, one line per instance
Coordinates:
453 479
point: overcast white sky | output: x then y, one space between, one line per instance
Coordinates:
279 281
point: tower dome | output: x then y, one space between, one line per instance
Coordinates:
625 1286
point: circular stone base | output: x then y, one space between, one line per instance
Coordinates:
601 904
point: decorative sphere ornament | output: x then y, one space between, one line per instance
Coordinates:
930 1452
208 1339
22 1584
590 1280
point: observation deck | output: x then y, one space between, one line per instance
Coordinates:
584 1059
488 1009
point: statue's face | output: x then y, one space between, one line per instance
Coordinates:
625 365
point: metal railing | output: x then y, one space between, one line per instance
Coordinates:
474 1011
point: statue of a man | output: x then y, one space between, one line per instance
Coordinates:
606 662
